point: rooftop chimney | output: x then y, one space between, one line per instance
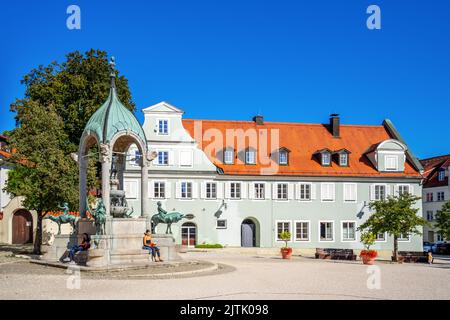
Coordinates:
258 119
335 125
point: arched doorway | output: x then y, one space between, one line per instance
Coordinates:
188 234
22 227
249 233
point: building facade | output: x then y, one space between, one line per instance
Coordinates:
436 191
247 181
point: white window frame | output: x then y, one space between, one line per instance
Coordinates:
263 190
438 198
295 230
355 195
355 232
404 239
248 159
168 127
135 182
384 237
284 152
322 160
279 184
181 190
206 190
398 186
219 227
441 175
289 229
240 190
386 157
375 191
431 194
333 230
168 158
322 199
228 151
300 191
345 156
154 189
430 212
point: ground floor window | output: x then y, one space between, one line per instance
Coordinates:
302 231
326 231
404 237
160 189
235 190
439 237
189 234
381 237
283 226
348 231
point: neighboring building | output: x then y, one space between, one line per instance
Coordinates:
17 225
313 180
436 191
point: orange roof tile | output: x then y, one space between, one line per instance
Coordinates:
303 140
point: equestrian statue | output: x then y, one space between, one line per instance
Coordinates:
64 218
163 217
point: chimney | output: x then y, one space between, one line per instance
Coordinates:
259 120
335 125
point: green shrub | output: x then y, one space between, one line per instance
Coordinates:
209 246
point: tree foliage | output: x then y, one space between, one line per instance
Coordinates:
443 220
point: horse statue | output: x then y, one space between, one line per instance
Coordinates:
163 217
99 215
64 218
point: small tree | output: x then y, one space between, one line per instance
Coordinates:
395 215
443 220
285 236
368 239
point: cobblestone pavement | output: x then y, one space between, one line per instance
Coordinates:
240 277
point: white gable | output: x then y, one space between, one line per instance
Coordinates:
162 108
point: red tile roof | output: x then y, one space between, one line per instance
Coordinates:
431 168
303 140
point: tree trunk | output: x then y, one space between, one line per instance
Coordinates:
38 238
395 248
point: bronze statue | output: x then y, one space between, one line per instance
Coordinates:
163 217
64 218
99 215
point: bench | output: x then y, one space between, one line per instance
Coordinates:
412 256
335 254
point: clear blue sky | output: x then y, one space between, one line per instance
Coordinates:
291 60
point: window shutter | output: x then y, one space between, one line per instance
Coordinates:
332 191
151 189
372 192
219 190
267 190
227 190
396 190
323 191
167 190
411 189
274 191
203 190
194 189
178 190
297 191
291 191
171 158
251 190
388 190
243 190
313 191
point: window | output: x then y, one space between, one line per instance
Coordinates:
381 237
259 191
380 192
137 158
430 197
326 159
391 163
350 192
283 157
326 231
185 158
163 126
186 190
283 226
440 196
441 175
343 159
430 215
439 237
221 224
211 190
404 237
250 157
327 191
235 190
163 157
302 231
348 231
282 191
160 190
228 156
305 191
403 189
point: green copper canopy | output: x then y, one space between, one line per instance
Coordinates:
113 117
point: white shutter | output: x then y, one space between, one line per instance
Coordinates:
291 190
251 190
227 190
151 189
219 190
388 190
267 190
203 190
396 190
194 190
297 190
171 158
372 192
411 189
178 190
168 190
243 190
313 191
332 191
323 191
274 191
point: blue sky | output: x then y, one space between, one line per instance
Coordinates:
290 60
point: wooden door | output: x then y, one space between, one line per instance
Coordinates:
22 227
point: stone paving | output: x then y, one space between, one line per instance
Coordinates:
240 276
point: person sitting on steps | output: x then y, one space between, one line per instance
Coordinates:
84 246
151 246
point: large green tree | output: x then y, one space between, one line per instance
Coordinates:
443 220
396 215
43 173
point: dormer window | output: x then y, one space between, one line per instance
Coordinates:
391 163
441 175
228 156
341 157
250 156
283 156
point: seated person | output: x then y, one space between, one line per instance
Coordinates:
151 246
84 246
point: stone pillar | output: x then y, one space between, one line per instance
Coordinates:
82 167
144 188
105 158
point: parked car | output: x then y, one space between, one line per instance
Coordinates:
443 248
427 246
